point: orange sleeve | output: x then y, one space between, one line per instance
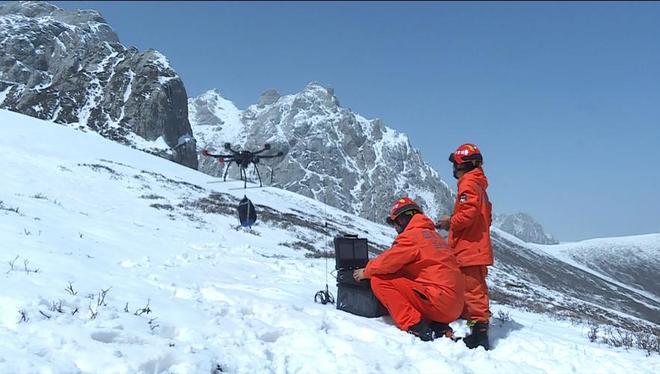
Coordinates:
402 252
467 207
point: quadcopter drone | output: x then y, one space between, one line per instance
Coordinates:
243 159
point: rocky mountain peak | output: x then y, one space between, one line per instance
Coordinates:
268 97
524 227
89 21
314 95
28 8
68 66
331 153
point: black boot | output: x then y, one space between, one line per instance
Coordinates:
422 330
478 336
442 330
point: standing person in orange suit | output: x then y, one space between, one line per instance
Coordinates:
417 279
469 237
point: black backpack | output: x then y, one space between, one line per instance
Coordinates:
246 212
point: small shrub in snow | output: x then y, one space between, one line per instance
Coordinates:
56 306
12 263
4 207
24 316
145 310
152 324
162 206
320 254
93 312
100 168
100 300
27 269
503 316
12 266
70 290
151 197
618 338
593 333
649 343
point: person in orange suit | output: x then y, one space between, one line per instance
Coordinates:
469 238
418 279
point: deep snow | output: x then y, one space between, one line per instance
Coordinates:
85 210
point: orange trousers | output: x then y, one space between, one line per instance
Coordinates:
408 301
477 306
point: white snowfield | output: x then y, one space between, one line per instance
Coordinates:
187 292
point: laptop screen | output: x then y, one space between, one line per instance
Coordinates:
351 252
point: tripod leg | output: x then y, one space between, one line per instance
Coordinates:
258 175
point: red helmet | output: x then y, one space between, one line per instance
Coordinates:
401 206
466 153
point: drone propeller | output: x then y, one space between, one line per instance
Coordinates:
206 153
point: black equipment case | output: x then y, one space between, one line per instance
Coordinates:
354 297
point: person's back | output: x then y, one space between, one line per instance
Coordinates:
469 231
433 265
418 279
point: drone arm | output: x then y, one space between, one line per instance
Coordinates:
260 151
279 154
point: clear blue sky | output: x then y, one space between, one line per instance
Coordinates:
562 98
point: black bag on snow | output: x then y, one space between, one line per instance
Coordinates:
354 297
247 215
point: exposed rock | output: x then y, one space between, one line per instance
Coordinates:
331 153
524 227
68 66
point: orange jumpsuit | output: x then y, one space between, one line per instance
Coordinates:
469 237
418 277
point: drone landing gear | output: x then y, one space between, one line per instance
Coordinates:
224 176
258 175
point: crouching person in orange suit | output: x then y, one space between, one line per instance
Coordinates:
418 279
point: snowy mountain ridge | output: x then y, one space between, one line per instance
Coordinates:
633 260
162 280
331 153
524 227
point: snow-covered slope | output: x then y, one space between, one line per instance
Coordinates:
188 292
631 260
331 153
